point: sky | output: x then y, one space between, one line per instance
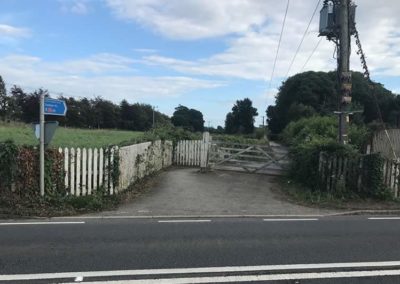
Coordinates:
204 54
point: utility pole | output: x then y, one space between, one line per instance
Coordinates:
337 23
344 69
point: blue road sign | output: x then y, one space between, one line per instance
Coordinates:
54 107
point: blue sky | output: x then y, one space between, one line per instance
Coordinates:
200 53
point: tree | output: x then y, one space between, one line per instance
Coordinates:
310 93
241 119
127 116
189 119
17 99
3 100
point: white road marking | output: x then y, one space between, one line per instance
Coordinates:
294 219
79 279
40 223
184 216
196 270
183 221
264 277
384 218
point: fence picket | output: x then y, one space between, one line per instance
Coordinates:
393 175
72 172
78 172
396 180
95 168
101 166
84 171
106 170
188 152
90 171
111 166
66 167
191 149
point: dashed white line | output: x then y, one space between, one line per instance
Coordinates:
183 221
40 223
289 220
384 218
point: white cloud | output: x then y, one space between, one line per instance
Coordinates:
74 6
145 50
254 27
32 72
193 19
13 32
98 64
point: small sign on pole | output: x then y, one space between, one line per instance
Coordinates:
54 107
47 107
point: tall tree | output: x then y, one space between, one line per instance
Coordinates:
189 119
241 119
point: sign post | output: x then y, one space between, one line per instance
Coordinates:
47 107
42 144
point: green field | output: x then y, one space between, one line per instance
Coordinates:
23 134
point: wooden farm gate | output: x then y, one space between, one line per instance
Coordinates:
264 158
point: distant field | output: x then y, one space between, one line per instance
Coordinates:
68 137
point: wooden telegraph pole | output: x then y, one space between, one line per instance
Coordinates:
344 69
337 23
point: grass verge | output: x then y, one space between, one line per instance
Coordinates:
13 206
301 195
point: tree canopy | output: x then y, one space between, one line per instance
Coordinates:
310 93
189 119
82 113
241 119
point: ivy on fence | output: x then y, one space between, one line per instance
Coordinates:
19 170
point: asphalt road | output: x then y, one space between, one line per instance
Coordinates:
350 249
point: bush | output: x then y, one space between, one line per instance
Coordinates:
240 139
8 164
322 129
305 160
172 133
166 132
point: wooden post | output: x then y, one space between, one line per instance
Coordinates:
204 151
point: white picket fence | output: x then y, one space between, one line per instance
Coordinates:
88 170
193 152
188 153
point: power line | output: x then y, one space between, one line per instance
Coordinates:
279 44
302 39
311 55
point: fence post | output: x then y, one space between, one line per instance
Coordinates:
205 143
